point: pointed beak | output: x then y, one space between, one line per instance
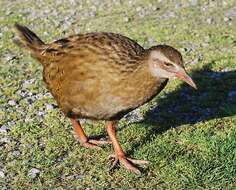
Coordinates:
182 75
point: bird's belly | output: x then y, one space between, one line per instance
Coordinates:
100 108
111 105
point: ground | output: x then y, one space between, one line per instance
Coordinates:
189 136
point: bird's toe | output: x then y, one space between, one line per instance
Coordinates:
99 142
126 163
90 145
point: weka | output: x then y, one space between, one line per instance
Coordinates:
103 76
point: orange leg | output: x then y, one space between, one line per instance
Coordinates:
119 153
83 139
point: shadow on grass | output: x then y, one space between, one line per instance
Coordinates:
215 98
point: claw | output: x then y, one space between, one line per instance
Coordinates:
114 161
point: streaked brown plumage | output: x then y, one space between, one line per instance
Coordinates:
103 76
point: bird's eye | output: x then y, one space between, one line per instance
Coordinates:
167 64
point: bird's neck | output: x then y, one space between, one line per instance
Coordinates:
142 86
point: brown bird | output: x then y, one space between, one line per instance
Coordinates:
103 76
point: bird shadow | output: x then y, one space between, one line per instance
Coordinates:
215 98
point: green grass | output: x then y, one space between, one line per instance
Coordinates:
188 135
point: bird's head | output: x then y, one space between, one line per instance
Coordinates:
166 62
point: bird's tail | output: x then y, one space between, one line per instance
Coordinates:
28 39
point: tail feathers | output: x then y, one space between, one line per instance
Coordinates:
28 38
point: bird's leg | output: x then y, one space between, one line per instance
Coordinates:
119 153
83 139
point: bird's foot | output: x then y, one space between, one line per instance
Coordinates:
94 144
127 163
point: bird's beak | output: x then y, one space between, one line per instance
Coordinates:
182 75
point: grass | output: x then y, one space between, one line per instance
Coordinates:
189 136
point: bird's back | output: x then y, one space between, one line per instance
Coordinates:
96 44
